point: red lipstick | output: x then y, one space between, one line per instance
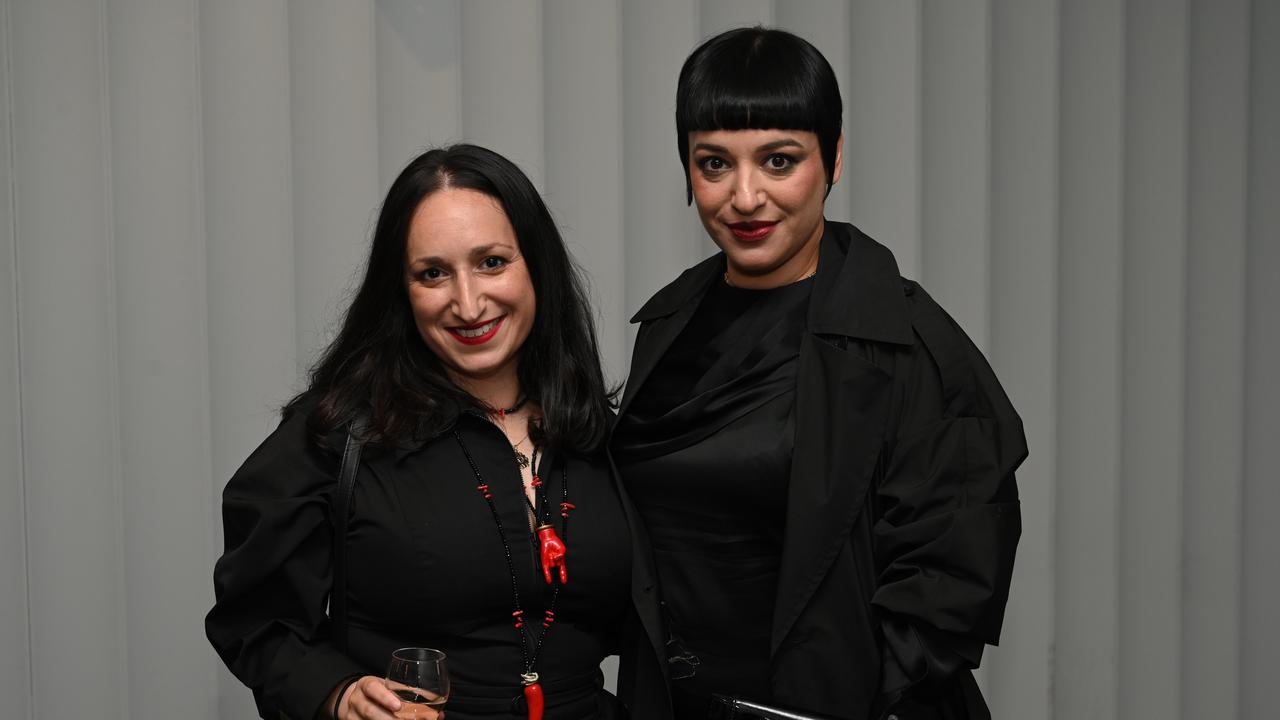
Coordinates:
477 334
752 230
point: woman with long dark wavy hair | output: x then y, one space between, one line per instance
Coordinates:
484 521
823 460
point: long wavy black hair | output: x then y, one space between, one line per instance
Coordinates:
380 370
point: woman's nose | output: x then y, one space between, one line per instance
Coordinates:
747 195
468 301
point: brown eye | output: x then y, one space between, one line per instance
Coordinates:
493 262
778 162
712 164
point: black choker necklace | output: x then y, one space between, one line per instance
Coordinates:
503 412
552 551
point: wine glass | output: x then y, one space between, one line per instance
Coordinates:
419 678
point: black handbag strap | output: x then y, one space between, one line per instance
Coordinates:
341 514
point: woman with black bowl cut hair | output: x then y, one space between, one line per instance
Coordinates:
822 459
484 521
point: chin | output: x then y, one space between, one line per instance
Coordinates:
475 372
478 369
754 265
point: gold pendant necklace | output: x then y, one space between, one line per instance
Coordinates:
521 459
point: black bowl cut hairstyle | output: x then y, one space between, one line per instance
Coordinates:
378 368
758 78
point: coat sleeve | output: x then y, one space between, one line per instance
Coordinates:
269 621
948 517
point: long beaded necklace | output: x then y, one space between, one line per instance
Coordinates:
552 554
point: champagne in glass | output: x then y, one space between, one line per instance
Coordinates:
419 678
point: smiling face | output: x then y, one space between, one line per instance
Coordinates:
759 194
469 288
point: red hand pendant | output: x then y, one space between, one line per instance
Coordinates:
533 696
553 552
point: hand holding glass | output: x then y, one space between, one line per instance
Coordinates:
419 678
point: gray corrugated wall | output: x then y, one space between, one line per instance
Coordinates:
1090 186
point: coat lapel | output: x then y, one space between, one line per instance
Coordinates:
842 406
662 319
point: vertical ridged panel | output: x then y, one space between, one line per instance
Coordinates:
955 153
584 156
720 15
955 97
1215 357
419 80
882 103
248 222
825 23
502 91
67 305
160 339
1024 126
1259 633
662 235
15 650
1090 251
335 160
248 202
1153 318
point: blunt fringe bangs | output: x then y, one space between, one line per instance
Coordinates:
758 78
379 369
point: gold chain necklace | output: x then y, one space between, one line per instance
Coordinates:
521 459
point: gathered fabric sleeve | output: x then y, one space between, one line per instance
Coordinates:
948 521
269 621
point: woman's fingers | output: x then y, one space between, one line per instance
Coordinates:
378 691
414 701
369 699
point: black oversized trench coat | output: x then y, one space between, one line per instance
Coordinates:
902 513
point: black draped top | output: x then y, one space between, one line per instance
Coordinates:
426 568
705 452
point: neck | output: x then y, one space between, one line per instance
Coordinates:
498 392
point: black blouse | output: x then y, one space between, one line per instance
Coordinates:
705 451
426 568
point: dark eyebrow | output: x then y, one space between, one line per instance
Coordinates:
427 261
779 144
476 253
767 147
487 250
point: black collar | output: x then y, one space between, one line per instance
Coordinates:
400 452
857 292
